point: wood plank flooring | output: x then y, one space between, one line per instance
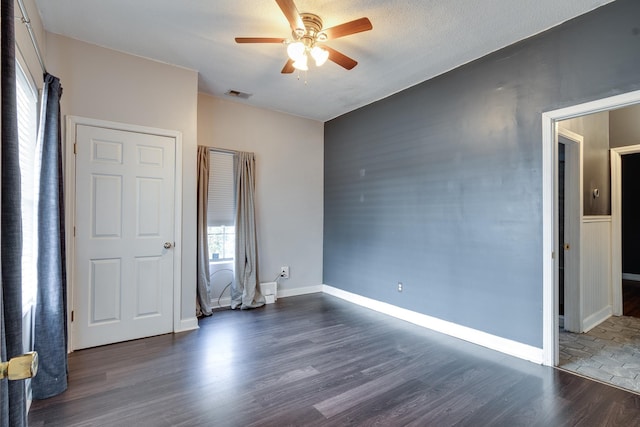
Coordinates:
631 298
315 360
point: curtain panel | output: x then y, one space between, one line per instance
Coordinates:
12 393
203 297
50 330
245 292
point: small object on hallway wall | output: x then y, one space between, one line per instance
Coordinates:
399 286
596 193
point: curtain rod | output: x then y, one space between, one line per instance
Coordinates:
27 22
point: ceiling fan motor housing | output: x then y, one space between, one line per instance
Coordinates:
311 31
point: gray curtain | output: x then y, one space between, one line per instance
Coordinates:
12 393
203 289
50 331
245 292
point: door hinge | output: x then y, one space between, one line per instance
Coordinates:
553 254
75 148
74 231
72 315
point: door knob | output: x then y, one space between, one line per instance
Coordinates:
167 245
20 367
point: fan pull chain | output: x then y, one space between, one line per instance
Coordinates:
305 77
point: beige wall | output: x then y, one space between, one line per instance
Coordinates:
289 202
625 126
596 168
103 84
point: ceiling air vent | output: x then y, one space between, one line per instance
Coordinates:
237 94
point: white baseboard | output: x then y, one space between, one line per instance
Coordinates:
284 293
493 342
596 318
224 302
631 276
187 325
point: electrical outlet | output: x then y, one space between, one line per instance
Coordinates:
399 286
284 272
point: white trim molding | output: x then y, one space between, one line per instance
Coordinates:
549 159
284 293
596 318
484 339
187 325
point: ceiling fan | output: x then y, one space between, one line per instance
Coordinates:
308 37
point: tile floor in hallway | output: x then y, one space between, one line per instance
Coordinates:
610 352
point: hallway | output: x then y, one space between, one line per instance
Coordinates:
610 352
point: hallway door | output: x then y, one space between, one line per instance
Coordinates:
569 247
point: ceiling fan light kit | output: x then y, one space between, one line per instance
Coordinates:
307 33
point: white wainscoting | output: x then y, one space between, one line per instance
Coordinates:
595 265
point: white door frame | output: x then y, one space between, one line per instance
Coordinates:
573 295
549 185
616 224
70 197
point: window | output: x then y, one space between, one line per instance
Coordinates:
221 242
221 207
27 108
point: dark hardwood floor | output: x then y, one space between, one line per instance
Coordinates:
631 298
315 360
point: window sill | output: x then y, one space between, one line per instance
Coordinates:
219 262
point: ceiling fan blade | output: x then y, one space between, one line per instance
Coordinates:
288 67
291 13
259 40
348 28
340 58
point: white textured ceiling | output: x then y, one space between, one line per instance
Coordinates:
411 41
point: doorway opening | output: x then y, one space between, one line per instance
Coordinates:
551 219
625 205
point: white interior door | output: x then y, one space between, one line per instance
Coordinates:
124 236
571 246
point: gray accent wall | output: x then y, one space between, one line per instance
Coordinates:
440 186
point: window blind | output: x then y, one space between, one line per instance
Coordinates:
221 204
27 111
